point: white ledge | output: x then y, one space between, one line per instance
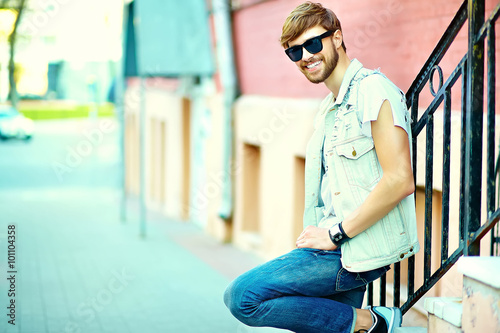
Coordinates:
410 330
482 269
446 308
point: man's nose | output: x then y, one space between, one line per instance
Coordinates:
306 55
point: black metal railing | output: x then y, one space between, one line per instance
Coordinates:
470 70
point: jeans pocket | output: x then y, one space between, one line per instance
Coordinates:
374 274
350 280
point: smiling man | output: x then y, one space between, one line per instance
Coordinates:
359 212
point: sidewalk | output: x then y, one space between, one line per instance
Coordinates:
79 269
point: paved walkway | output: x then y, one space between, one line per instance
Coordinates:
79 269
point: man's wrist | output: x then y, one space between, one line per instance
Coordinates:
338 235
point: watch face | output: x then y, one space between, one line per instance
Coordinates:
336 235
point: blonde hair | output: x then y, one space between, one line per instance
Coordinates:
307 16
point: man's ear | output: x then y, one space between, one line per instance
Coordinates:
338 38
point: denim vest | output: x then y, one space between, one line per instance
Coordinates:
356 171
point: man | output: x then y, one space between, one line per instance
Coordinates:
359 209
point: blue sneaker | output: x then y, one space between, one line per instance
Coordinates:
385 320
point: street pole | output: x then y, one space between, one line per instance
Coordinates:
120 107
227 69
142 162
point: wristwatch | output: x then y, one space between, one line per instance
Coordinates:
337 235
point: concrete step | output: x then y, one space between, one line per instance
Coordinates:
445 314
410 330
481 294
483 269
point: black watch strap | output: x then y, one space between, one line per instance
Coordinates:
338 235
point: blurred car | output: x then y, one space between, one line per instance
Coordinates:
13 125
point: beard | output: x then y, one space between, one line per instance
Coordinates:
329 66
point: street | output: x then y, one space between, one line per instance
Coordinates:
68 264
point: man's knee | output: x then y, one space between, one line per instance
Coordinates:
238 301
228 295
233 297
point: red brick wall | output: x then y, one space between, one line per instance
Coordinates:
395 35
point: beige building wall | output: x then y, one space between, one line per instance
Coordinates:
271 135
207 192
167 149
184 156
451 284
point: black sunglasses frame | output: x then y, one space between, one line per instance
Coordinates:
295 52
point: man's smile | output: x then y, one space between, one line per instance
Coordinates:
313 66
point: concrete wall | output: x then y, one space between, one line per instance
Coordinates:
167 140
271 138
208 172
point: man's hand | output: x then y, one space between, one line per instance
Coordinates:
315 238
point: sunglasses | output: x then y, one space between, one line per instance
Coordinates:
312 45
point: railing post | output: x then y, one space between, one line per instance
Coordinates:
474 126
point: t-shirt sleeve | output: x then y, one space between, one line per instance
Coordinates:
373 91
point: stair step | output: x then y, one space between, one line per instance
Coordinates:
483 269
481 294
410 330
448 309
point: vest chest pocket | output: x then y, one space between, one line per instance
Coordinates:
359 162
347 124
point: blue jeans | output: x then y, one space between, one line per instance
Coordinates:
305 290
